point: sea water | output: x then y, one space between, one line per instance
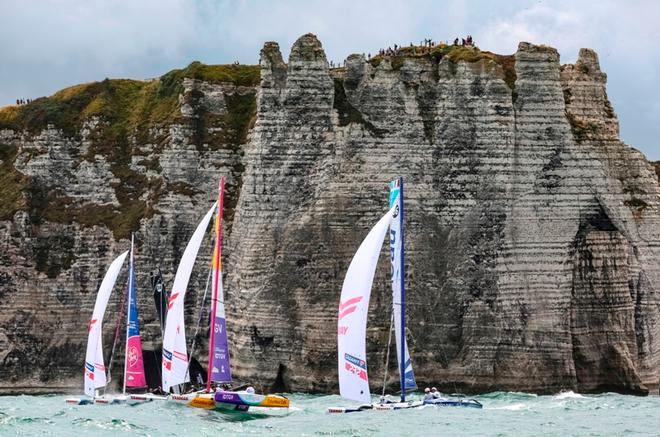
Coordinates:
504 414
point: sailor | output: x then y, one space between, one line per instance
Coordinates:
427 394
385 399
435 393
249 390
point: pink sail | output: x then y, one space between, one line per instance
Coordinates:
134 364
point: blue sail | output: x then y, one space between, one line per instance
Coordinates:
133 363
398 286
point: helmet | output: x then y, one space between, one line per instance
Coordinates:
426 390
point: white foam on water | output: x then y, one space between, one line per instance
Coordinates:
568 395
512 407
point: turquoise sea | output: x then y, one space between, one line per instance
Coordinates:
504 414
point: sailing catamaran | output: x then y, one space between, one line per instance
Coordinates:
354 306
353 311
175 354
95 371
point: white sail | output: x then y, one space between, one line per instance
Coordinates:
94 365
352 319
398 291
175 353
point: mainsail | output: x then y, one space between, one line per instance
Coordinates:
398 286
160 298
352 319
133 362
219 369
94 365
175 353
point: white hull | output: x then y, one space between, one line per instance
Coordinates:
132 399
182 399
146 397
98 400
377 407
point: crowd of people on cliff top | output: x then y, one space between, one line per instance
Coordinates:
425 46
23 101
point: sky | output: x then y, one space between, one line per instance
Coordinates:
51 44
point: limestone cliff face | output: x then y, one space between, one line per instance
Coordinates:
81 191
532 231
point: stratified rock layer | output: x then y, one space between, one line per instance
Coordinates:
532 231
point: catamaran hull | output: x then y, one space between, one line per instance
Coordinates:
467 403
146 397
101 400
79 401
232 402
181 399
392 406
251 399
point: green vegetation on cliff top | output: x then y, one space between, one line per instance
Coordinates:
126 109
127 106
469 54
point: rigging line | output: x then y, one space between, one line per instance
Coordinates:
387 356
199 319
115 341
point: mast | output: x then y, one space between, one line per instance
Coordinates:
217 263
128 313
402 361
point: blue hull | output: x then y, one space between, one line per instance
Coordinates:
468 403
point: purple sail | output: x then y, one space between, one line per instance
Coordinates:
220 371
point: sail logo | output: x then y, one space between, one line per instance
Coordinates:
393 245
89 370
356 366
171 300
167 359
349 306
180 356
342 330
91 324
354 360
132 356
